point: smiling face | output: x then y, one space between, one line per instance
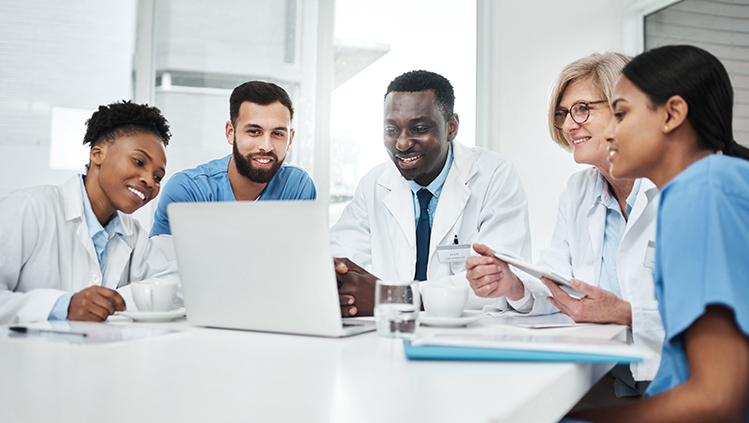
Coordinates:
260 139
416 135
126 174
586 139
635 136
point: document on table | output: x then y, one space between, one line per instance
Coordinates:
545 321
86 332
522 348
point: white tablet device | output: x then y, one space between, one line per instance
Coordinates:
538 272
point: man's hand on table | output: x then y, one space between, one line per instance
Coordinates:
356 288
95 304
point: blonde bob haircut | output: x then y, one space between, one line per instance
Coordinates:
600 69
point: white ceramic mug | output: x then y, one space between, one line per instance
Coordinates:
445 301
154 295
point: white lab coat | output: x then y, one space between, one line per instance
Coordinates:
47 251
482 200
577 247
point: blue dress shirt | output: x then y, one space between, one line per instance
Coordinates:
612 234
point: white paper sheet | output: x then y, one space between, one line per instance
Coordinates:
95 333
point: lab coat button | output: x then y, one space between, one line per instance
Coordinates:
96 278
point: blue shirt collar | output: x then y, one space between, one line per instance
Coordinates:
436 185
114 226
612 203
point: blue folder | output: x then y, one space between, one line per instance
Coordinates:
433 352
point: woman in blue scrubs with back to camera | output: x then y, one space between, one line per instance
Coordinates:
673 114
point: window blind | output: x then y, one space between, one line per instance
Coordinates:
718 26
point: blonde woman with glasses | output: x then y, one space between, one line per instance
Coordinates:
603 235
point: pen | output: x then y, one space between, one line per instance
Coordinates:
455 240
22 329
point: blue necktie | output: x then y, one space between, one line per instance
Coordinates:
423 232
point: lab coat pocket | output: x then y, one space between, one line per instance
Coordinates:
457 267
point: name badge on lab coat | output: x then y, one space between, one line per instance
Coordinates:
650 255
453 253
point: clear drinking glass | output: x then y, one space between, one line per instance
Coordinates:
397 306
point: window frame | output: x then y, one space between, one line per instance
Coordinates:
633 20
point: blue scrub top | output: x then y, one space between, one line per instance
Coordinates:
701 255
210 182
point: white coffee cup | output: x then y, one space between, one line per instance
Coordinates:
444 301
154 295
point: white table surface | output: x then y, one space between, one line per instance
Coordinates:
214 375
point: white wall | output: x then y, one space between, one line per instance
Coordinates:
519 58
522 45
72 55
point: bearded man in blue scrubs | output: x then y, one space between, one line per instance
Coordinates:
260 134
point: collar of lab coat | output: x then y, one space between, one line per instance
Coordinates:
596 218
72 196
455 193
119 252
648 193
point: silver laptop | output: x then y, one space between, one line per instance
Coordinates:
262 266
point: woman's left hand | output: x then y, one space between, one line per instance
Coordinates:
598 305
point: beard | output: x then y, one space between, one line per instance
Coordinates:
249 171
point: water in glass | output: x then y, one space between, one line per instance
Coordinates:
396 320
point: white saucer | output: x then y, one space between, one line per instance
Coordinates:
153 316
467 317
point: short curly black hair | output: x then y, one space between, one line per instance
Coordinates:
125 118
421 80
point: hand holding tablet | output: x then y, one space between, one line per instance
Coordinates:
539 272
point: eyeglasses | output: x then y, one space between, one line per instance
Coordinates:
580 113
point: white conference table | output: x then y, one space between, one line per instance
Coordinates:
200 375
